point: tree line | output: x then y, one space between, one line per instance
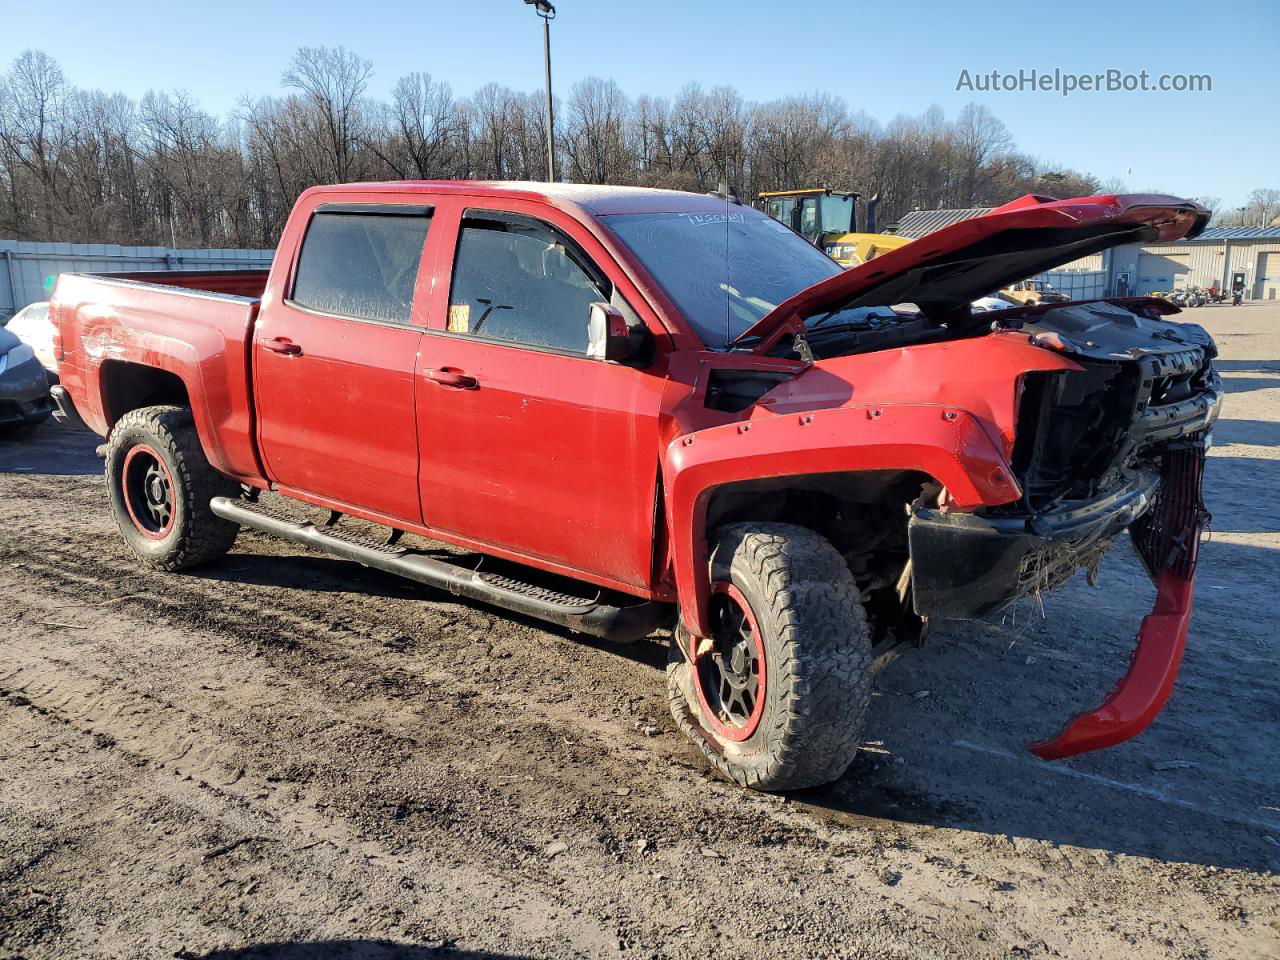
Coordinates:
85 165
1261 209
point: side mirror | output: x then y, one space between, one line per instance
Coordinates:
608 336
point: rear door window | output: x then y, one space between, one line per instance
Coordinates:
361 264
520 281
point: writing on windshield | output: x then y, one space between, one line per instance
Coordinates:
723 270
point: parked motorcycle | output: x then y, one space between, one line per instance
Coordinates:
1196 297
1237 297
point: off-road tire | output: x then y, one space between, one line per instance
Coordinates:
818 659
196 535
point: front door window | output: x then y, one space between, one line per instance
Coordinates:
518 281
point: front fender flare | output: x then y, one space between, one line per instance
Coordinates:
947 443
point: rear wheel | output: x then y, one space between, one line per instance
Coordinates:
776 697
160 484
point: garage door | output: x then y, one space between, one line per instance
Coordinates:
1268 282
1162 271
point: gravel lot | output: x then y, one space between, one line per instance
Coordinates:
284 756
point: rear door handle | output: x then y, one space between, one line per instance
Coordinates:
451 377
282 345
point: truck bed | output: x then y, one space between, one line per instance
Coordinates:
239 283
194 325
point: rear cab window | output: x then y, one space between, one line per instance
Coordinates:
362 262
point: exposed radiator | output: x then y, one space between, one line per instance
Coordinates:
1167 536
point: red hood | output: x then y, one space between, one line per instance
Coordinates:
947 269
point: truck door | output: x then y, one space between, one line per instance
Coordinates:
530 447
334 360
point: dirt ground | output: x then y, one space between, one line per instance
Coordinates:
284 756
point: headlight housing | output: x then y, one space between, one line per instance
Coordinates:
18 355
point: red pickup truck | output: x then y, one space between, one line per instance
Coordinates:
656 410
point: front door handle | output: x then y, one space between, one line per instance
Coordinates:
451 377
282 345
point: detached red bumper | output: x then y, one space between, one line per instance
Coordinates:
1143 691
1167 539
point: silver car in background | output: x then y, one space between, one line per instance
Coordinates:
26 366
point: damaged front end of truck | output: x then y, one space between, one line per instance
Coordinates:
1116 445
1089 456
1021 444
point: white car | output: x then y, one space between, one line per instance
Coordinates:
987 304
33 327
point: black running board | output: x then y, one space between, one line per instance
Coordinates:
621 624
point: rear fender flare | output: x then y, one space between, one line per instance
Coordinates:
947 443
181 359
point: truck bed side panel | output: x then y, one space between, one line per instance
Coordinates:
241 283
201 337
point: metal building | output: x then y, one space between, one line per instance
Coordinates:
1220 255
28 270
919 222
1083 279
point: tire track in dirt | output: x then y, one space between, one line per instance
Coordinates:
290 643
162 735
140 734
188 764
294 641
452 745
358 810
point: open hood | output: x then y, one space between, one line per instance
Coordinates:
944 271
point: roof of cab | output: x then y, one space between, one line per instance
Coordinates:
595 199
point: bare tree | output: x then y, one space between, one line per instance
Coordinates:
980 139
651 136
79 164
34 129
595 140
692 166
187 157
332 82
1213 204
422 122
1058 182
1262 208
789 136
494 113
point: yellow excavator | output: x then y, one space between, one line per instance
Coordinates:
828 220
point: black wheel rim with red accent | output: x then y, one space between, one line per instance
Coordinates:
731 675
148 490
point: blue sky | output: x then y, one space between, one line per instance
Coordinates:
1223 143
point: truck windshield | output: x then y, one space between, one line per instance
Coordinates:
724 271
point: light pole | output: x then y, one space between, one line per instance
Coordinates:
548 13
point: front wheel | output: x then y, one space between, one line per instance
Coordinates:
160 484
776 697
